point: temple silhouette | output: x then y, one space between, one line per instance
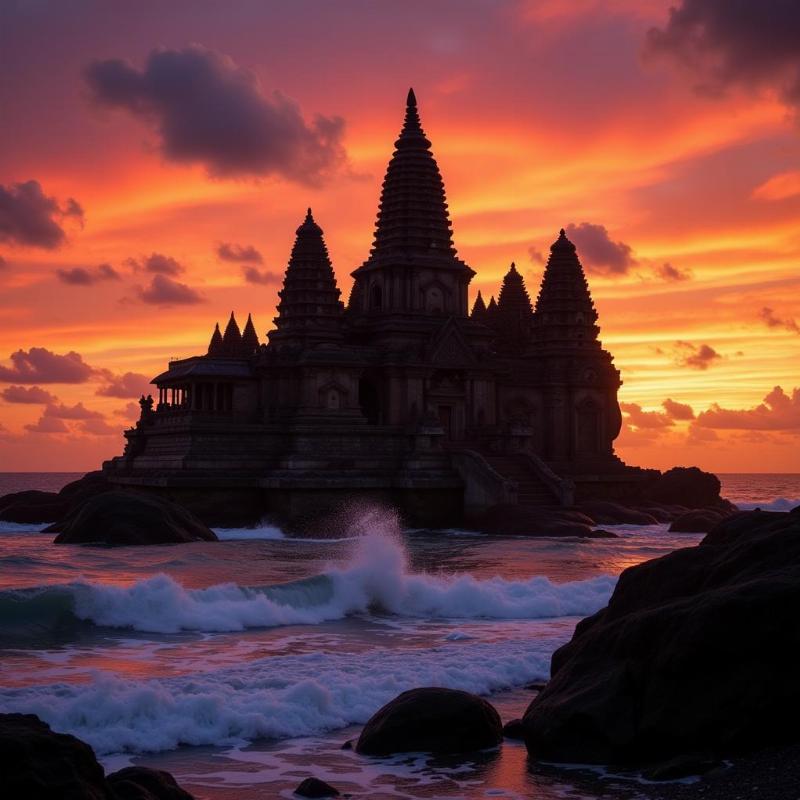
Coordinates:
402 395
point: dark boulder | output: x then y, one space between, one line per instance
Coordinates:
694 654
431 720
685 486
124 518
514 729
314 787
37 763
142 783
604 512
701 520
34 506
511 520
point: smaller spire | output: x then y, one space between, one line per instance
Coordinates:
491 309
215 345
250 343
411 99
232 338
479 309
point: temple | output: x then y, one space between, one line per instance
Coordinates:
401 395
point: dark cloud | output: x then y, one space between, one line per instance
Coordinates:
40 365
676 410
157 263
237 252
78 411
734 43
771 320
163 291
19 394
598 251
778 411
639 418
80 276
695 356
131 384
48 425
698 435
265 277
672 274
206 109
28 217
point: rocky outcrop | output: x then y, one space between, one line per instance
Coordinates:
700 520
511 520
37 763
604 512
126 518
35 507
694 654
143 783
314 787
431 720
685 486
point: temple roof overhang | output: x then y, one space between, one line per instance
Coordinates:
204 368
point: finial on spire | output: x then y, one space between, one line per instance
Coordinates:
309 224
411 99
562 234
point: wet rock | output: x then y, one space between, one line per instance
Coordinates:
532 521
604 512
313 787
142 783
34 506
37 763
126 518
513 729
694 654
431 720
348 745
686 486
697 521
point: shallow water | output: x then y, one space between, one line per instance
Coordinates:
241 666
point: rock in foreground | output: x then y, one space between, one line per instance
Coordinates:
39 764
693 655
34 506
431 720
314 787
125 518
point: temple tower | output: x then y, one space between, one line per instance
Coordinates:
309 310
478 309
413 267
250 343
565 314
514 314
232 338
215 345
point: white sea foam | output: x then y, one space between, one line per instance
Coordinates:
778 504
22 527
263 531
277 697
376 579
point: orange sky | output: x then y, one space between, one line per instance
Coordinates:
540 118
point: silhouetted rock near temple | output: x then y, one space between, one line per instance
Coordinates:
694 655
126 518
402 397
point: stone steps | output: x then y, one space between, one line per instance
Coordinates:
530 490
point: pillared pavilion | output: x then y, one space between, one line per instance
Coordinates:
401 395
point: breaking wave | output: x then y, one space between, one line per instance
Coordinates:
277 697
778 504
376 579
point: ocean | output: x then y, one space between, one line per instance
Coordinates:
242 666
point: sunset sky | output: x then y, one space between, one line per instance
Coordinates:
156 159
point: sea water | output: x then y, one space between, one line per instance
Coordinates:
243 666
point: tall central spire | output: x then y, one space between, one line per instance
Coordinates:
413 217
413 236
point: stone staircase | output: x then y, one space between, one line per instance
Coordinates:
531 491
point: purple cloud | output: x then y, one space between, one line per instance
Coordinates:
157 263
28 217
237 252
163 291
40 365
131 384
598 251
34 395
206 109
80 276
264 277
